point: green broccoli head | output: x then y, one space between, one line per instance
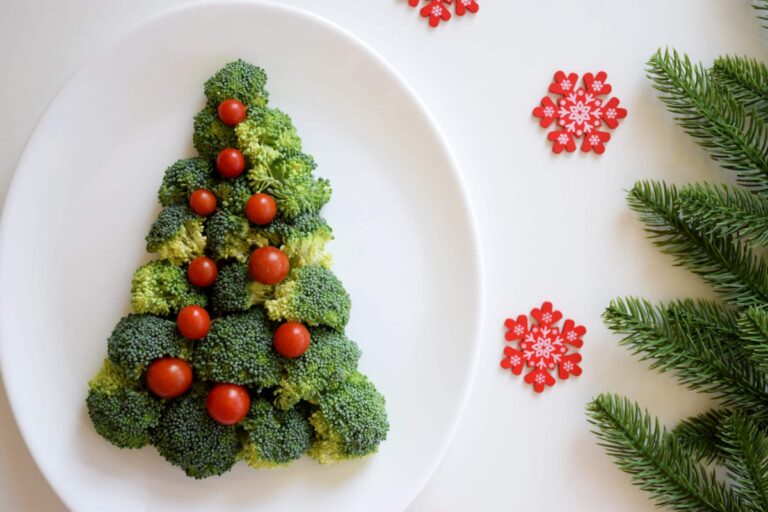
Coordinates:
350 421
120 411
238 350
160 288
183 178
189 438
235 290
265 135
240 81
211 135
274 437
302 239
330 358
137 340
233 194
177 234
311 295
231 236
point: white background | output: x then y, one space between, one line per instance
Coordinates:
550 227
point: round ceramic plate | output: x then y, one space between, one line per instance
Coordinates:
84 197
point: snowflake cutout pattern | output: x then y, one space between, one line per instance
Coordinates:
542 347
438 10
579 112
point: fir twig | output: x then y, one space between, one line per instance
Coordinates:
716 120
753 329
746 79
733 270
655 460
746 459
727 211
700 434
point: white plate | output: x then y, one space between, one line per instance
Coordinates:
84 196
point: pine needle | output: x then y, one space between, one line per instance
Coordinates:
746 80
700 435
753 329
746 459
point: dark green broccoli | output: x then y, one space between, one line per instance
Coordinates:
235 290
120 411
160 288
233 194
240 81
210 135
238 350
330 358
265 135
302 239
274 437
189 438
137 340
230 236
311 295
177 234
183 178
350 421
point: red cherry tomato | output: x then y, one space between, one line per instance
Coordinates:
261 209
291 339
230 163
228 403
202 271
202 202
169 377
231 112
193 322
268 265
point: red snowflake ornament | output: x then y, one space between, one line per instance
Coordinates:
438 10
579 112
542 347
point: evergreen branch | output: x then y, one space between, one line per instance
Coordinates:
700 435
655 460
717 121
761 6
700 360
733 270
746 458
746 80
753 329
727 211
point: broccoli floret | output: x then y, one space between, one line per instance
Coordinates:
303 239
265 135
238 350
120 411
330 358
137 340
351 421
312 295
235 290
160 288
233 194
211 135
274 437
189 438
240 81
230 236
183 178
177 234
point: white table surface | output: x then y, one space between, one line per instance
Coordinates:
480 76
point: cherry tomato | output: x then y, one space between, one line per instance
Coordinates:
202 271
228 403
231 112
268 265
291 339
169 377
230 163
193 322
202 202
261 209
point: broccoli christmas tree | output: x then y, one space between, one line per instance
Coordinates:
236 348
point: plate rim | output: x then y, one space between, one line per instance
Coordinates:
455 171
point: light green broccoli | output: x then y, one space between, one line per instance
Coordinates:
265 135
230 236
184 177
177 235
238 80
160 288
274 437
235 290
302 239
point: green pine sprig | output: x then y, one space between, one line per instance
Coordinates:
745 446
700 435
753 329
746 80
